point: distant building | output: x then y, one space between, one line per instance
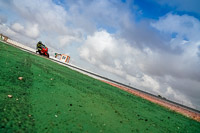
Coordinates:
3 37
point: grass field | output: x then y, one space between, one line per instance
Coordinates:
53 98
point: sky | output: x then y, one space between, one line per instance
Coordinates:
149 44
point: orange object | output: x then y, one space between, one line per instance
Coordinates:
62 57
65 58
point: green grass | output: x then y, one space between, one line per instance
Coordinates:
53 98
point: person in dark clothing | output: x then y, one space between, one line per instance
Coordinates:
39 46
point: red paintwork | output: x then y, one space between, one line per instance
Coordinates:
44 51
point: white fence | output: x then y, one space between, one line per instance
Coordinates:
20 45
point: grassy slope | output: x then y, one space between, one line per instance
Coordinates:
53 98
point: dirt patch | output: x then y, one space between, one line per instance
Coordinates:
176 108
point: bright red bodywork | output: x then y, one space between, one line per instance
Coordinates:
44 51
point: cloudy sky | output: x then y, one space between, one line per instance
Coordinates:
153 46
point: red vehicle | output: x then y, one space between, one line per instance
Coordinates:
43 50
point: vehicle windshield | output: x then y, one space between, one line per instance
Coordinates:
43 46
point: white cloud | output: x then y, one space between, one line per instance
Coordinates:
144 82
90 15
67 23
47 15
31 30
18 34
185 26
17 27
116 71
6 30
185 64
104 47
41 20
180 98
67 39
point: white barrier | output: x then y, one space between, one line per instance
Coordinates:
20 45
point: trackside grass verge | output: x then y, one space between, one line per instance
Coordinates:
53 98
